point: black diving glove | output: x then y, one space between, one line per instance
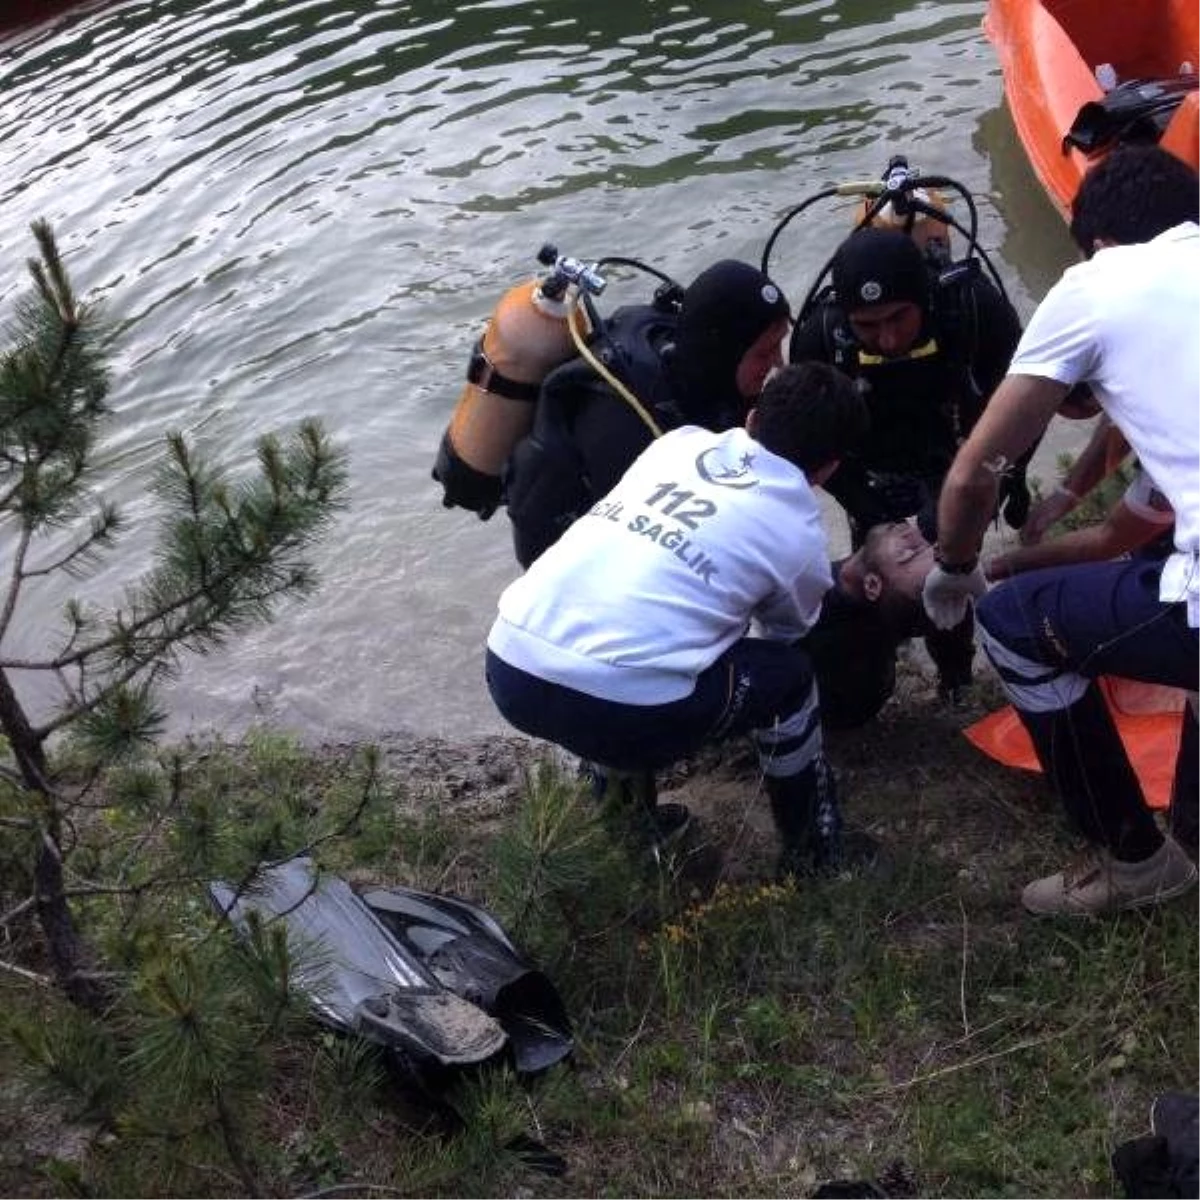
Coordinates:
1015 498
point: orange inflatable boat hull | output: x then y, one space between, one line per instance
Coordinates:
1049 51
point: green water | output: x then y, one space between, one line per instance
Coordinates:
296 208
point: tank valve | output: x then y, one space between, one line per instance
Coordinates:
566 271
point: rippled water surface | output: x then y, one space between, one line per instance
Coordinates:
308 208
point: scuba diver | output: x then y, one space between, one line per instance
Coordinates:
694 356
928 338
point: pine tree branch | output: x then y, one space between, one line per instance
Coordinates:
99 535
234 1144
7 498
14 586
13 913
114 641
346 826
135 890
147 657
80 707
31 976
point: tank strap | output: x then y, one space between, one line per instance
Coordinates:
481 371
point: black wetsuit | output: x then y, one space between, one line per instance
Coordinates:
922 406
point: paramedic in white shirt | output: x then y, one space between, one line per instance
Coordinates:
1124 322
629 641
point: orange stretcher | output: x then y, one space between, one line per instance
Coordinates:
1148 716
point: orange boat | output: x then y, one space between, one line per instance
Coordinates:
1060 55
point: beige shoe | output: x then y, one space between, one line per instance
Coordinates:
1097 883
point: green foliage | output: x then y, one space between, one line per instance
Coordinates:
71 1053
228 554
1096 504
560 880
753 1039
53 384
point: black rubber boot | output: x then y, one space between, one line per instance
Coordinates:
808 820
1186 789
1082 755
630 805
953 653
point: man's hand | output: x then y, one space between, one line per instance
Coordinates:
1046 512
947 595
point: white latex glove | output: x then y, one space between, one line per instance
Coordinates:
947 596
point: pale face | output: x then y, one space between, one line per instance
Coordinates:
902 558
763 356
889 330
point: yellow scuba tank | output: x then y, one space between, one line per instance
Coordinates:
930 234
527 335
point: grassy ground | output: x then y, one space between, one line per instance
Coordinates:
734 1037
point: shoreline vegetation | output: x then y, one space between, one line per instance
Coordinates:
734 1036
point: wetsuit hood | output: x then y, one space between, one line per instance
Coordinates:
879 266
725 309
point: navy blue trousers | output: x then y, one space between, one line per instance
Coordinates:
1050 634
760 686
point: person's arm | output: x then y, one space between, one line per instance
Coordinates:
1059 349
1121 531
997 334
1016 417
1018 414
1094 463
1142 514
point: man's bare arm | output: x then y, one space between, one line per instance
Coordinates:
1017 414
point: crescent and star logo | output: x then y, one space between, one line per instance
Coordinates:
711 469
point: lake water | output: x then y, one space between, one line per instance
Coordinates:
308 207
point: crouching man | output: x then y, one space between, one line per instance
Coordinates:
629 641
1124 323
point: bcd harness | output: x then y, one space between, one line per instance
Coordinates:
547 484
954 322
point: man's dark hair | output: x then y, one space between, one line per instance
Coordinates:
1132 195
810 414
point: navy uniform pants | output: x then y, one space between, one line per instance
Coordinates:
1050 634
759 686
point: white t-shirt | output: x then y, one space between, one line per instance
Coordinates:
704 532
1128 323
